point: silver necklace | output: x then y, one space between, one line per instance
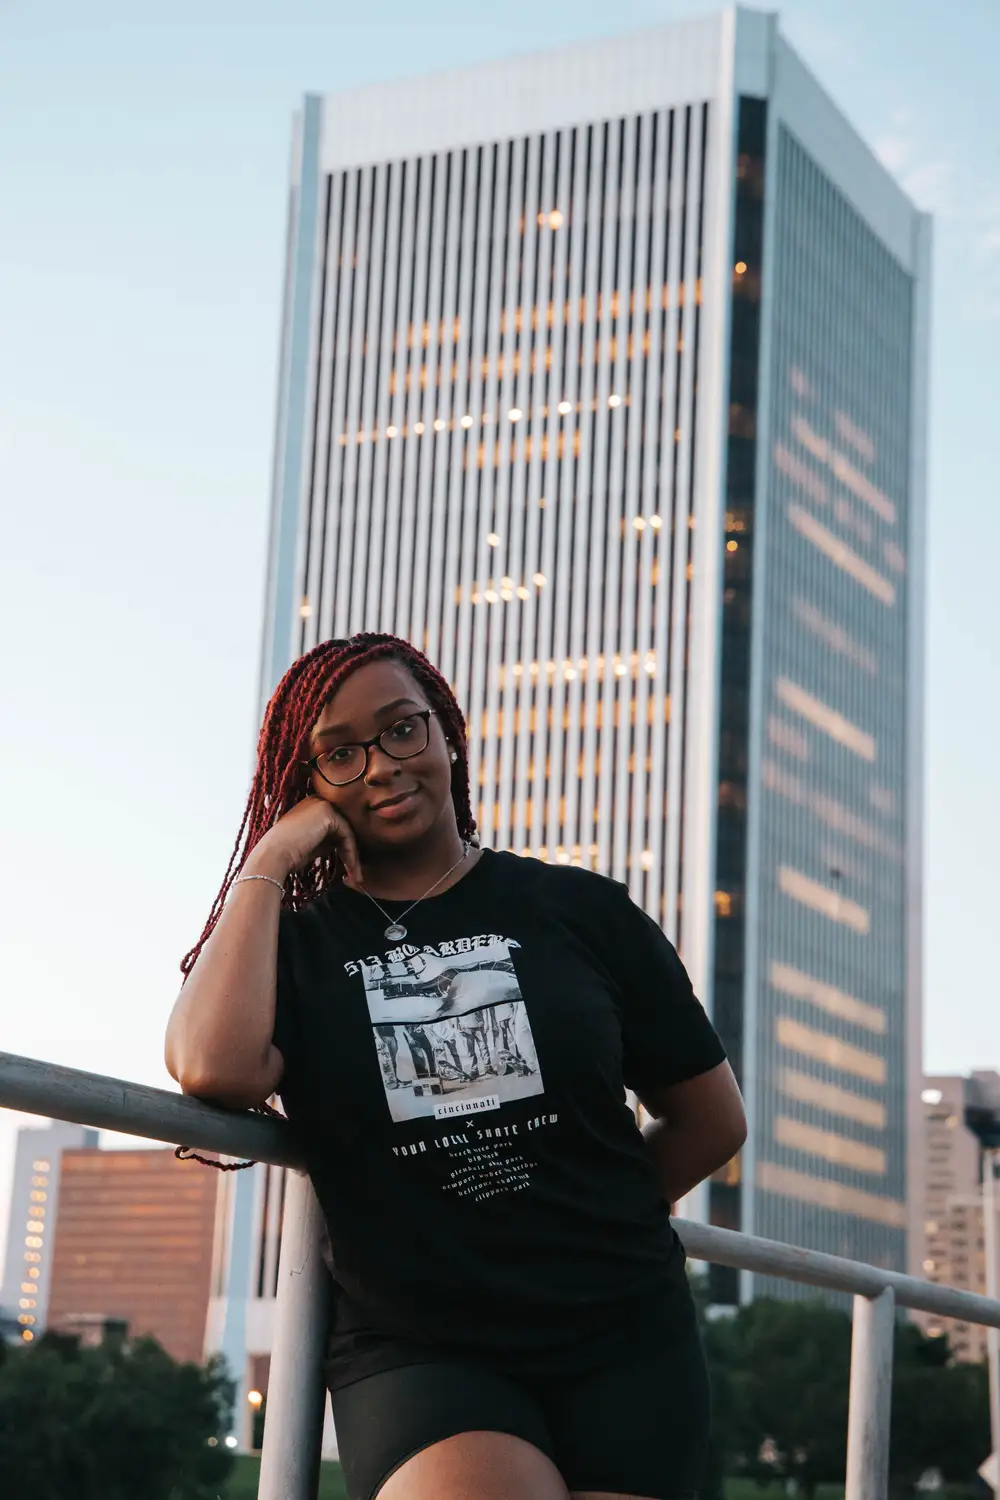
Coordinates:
395 931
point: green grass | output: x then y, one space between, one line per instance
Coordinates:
243 1485
243 1480
747 1489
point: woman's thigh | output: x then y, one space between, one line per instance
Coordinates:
444 1432
635 1431
476 1466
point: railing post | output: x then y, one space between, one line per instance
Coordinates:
296 1395
870 1411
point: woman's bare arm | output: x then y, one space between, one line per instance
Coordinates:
219 1038
696 1128
218 1042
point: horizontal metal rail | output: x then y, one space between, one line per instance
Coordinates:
290 1461
134 1109
39 1088
772 1258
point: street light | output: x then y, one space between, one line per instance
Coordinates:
984 1122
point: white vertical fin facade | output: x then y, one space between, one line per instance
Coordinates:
502 465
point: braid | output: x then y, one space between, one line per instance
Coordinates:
278 782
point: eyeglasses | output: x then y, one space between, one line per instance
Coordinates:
401 741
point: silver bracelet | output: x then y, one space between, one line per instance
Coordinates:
270 880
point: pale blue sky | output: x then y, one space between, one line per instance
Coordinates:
143 163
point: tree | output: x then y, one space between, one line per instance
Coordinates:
781 1376
725 1454
940 1412
790 1390
111 1423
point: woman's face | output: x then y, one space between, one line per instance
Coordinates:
396 802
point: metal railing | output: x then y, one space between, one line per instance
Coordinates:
296 1397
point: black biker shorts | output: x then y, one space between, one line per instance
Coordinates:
640 1427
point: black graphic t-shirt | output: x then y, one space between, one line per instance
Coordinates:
460 1100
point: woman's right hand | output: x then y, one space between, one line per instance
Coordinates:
312 827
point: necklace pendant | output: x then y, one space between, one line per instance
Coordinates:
395 932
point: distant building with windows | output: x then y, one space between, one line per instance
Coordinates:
135 1236
604 379
34 1199
952 1206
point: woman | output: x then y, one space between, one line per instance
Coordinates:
512 1319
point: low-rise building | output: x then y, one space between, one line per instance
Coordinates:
953 1227
134 1241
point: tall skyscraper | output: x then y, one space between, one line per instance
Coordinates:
604 380
34 1200
134 1242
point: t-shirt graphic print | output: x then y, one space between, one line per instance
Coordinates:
471 1213
451 1029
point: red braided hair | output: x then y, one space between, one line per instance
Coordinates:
279 780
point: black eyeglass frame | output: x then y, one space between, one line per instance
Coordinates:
426 714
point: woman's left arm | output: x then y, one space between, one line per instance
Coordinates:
697 1127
